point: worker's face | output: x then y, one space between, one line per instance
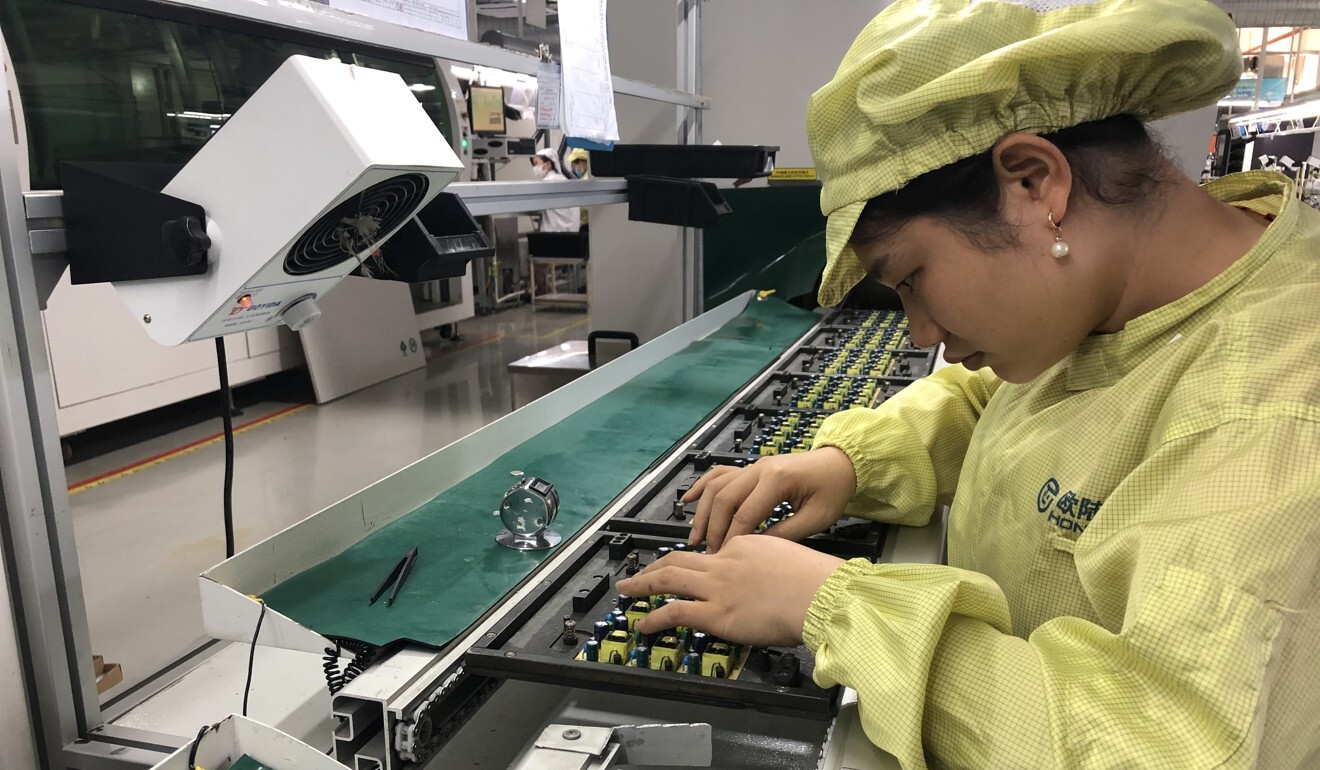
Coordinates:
1015 310
580 168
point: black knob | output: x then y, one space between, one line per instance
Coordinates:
186 240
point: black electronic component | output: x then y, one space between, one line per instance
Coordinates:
758 660
787 671
702 461
620 545
586 598
601 629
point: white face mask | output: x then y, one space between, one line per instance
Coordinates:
540 171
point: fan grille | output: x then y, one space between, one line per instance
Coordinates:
356 224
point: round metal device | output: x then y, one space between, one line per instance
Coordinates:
528 509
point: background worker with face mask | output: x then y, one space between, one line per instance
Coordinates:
545 165
578 167
1130 444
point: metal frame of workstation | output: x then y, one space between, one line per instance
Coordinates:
36 531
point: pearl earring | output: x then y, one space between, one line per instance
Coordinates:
1059 249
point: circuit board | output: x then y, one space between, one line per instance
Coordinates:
578 630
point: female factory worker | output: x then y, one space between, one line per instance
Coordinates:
1131 447
545 166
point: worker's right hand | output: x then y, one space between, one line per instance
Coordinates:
734 501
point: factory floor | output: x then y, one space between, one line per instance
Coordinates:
146 494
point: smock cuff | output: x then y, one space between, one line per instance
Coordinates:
854 433
828 597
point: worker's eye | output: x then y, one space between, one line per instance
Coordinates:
907 283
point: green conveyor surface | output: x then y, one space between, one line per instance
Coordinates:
590 456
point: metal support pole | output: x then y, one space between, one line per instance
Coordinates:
38 530
689 132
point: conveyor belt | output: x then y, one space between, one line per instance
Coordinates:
590 457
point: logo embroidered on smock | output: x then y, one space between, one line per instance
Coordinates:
1068 511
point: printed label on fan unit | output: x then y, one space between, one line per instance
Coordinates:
793 174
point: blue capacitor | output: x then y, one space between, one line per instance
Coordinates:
691 664
591 650
642 656
601 629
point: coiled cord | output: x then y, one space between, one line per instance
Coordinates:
363 655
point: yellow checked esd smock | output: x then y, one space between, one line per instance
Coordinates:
1134 541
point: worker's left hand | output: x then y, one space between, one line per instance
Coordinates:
756 590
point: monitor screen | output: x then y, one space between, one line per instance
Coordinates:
486 110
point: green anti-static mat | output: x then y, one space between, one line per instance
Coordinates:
248 763
590 457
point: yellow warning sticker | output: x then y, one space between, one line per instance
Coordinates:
793 174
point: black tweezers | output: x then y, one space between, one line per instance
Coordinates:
398 576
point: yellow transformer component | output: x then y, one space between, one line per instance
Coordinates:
615 647
636 612
665 655
716 661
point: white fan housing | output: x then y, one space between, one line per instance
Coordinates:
311 175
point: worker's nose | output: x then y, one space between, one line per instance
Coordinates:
923 329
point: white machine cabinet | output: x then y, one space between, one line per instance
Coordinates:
105 368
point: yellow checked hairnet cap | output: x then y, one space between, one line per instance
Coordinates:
930 82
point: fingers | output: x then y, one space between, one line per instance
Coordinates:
665 579
709 476
724 509
812 517
796 528
682 559
691 614
754 510
709 487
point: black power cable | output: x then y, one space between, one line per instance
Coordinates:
226 412
252 656
192 752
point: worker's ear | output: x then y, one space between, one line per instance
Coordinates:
1033 174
